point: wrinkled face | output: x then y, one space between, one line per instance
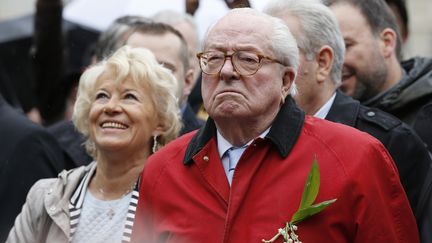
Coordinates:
190 35
307 86
122 116
306 76
364 71
166 49
230 95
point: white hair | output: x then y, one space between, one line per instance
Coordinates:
283 43
319 27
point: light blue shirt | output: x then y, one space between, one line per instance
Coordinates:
223 146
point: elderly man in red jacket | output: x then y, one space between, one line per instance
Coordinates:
241 177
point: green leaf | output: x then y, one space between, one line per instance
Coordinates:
311 187
305 213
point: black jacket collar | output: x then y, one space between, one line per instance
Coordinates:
284 131
344 110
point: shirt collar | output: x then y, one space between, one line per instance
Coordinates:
324 110
223 145
283 133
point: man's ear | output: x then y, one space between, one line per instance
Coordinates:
388 42
287 81
189 82
324 60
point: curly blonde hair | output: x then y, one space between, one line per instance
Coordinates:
140 66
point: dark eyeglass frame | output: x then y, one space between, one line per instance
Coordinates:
259 55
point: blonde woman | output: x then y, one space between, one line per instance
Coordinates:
126 107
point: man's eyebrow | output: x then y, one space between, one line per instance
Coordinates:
241 47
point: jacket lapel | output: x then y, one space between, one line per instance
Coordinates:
210 166
344 110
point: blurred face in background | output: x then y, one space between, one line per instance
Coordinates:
364 70
166 49
306 82
191 37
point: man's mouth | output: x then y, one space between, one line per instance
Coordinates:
346 74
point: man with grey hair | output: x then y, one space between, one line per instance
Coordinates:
186 25
240 178
322 49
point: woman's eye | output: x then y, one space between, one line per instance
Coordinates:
101 96
131 96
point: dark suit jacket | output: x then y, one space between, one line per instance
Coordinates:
27 153
190 120
423 126
406 148
71 141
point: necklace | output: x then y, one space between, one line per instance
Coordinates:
116 206
113 206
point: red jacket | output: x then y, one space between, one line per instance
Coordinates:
185 195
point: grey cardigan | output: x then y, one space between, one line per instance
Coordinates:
45 215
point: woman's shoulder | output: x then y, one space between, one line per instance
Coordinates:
66 179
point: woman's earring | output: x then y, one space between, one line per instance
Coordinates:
155 144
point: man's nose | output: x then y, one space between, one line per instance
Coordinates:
228 70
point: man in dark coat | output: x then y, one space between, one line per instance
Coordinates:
322 51
372 72
28 153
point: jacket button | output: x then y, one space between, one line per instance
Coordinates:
370 113
206 158
50 191
52 209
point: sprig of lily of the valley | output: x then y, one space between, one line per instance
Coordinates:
306 208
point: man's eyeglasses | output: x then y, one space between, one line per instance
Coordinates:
244 62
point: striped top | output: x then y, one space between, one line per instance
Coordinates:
77 200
